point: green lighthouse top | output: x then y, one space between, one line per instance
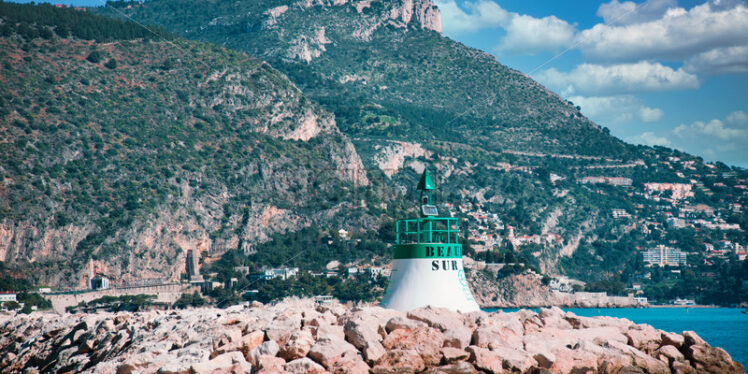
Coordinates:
425 183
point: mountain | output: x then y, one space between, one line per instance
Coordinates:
385 70
129 151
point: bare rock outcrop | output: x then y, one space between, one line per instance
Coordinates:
295 336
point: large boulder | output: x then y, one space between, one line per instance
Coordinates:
329 349
304 366
485 360
364 336
297 346
712 360
399 361
644 338
438 318
232 362
350 363
487 337
424 340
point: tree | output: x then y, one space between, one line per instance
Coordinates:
94 57
111 64
12 305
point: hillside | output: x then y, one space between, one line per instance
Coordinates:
386 71
131 151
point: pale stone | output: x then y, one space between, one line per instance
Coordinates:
303 366
399 361
402 323
365 337
484 359
451 354
440 318
297 346
329 349
424 340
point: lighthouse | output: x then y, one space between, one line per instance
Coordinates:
427 260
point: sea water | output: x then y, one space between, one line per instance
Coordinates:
720 327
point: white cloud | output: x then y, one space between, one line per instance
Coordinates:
478 15
719 61
649 138
737 118
714 128
524 34
590 79
628 12
617 110
647 114
678 34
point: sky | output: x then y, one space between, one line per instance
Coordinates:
658 72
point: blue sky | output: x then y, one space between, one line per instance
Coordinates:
657 72
663 72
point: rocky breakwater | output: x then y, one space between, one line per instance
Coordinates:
297 336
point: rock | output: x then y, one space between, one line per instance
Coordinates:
125 369
690 338
574 361
268 348
670 353
252 340
303 366
402 323
457 368
364 336
329 349
336 330
269 364
487 337
640 359
439 318
232 362
712 360
683 368
669 338
399 361
515 359
227 336
484 359
297 346
424 340
554 317
458 337
451 355
644 338
350 363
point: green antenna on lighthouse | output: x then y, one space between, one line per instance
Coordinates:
425 183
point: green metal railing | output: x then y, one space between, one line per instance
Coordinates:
427 230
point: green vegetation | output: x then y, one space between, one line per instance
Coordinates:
40 21
116 303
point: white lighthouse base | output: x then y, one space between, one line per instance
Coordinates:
421 282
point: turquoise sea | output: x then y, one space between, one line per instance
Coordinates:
720 327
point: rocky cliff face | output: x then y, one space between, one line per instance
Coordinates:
295 336
527 290
134 163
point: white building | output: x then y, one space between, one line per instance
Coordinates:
664 256
283 273
7 296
